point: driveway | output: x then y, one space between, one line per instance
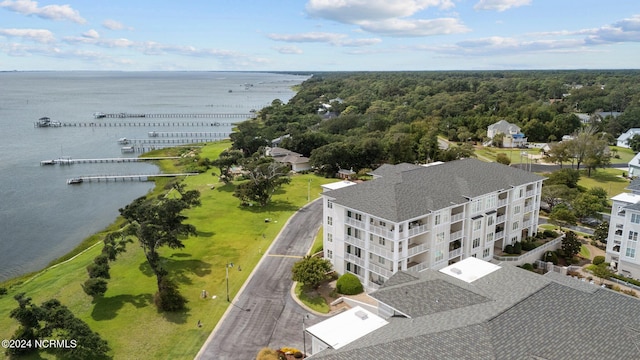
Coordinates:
263 314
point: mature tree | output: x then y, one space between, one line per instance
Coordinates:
225 161
587 147
114 244
498 140
559 153
311 271
602 271
328 159
568 177
157 223
601 233
502 158
634 143
553 195
265 176
562 216
54 321
586 205
570 244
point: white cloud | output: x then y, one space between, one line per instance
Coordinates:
500 5
92 34
115 25
52 12
38 35
403 28
320 37
354 11
289 50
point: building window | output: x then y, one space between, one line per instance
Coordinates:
476 242
491 202
382 241
349 213
635 218
515 225
330 254
490 237
521 192
329 237
439 255
486 252
329 221
358 217
633 235
381 260
440 237
477 225
476 206
514 239
438 219
490 221
516 209
631 252
330 204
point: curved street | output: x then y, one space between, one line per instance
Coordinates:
263 314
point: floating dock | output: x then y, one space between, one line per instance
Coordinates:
107 178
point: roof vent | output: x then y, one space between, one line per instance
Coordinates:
456 271
362 315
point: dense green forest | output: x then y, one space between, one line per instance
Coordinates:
392 117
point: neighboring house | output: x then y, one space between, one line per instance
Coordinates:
623 252
623 140
346 174
477 310
512 135
278 140
296 161
412 217
634 166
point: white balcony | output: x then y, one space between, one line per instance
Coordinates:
357 223
416 230
502 202
454 253
380 231
415 249
501 219
379 250
354 259
499 235
457 217
526 223
528 208
455 235
417 267
354 241
380 270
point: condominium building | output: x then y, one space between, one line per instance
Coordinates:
412 217
624 226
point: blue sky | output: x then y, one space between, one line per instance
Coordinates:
319 35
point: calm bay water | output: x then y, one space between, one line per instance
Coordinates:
41 217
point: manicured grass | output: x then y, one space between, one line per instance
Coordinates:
126 316
491 153
625 155
317 243
609 179
584 252
316 303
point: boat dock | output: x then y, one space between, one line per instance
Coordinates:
70 161
107 178
143 124
187 134
171 115
169 141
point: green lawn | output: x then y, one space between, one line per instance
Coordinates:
316 303
490 154
609 179
126 316
317 243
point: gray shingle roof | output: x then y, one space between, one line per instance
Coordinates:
527 316
407 191
634 186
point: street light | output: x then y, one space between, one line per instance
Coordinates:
304 338
227 269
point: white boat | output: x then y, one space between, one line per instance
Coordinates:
74 181
123 141
127 149
99 115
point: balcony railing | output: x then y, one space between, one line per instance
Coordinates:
380 270
381 232
502 202
457 217
354 241
526 223
501 219
354 259
528 208
354 222
454 253
379 250
415 230
417 267
499 235
455 235
530 193
417 249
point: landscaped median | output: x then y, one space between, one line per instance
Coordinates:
126 316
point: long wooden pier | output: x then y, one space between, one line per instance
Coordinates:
187 134
70 161
145 123
171 115
169 141
107 178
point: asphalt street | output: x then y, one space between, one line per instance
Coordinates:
263 314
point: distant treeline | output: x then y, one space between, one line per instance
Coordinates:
362 119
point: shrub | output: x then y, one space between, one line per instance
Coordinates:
630 292
517 248
168 297
508 249
95 287
551 256
527 266
267 354
349 284
3 290
598 260
550 234
528 245
98 270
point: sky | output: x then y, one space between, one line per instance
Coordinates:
318 35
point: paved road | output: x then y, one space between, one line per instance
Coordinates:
264 314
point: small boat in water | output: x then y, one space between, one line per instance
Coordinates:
123 141
99 115
47 122
74 181
47 162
